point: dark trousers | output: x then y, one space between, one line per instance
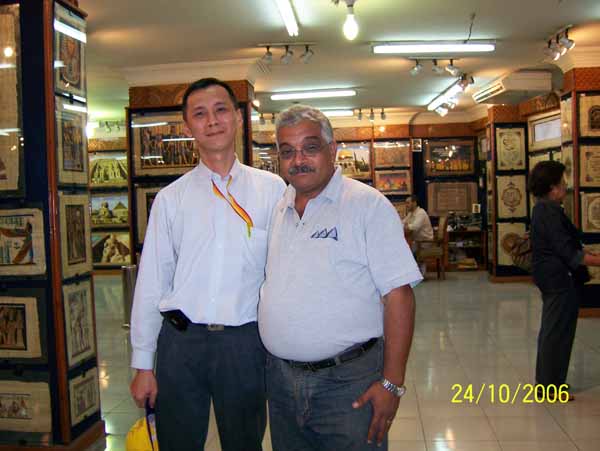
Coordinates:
197 365
557 332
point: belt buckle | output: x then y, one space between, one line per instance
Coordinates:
215 327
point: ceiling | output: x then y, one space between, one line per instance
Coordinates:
127 39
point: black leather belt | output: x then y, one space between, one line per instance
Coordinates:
181 322
347 356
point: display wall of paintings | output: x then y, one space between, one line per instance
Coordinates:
510 148
589 166
400 207
71 144
11 147
566 117
545 132
355 159
111 248
589 115
110 209
590 212
512 197
394 182
449 157
19 328
69 53
392 154
79 322
446 197
25 406
84 396
594 270
75 231
144 196
160 145
22 249
508 236
108 169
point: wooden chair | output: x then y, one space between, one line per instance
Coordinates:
436 249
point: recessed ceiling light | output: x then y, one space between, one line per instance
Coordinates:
299 95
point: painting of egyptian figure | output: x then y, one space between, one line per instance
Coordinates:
110 209
354 159
19 328
79 323
145 196
108 169
160 145
75 234
111 248
84 394
22 249
25 406
70 53
71 144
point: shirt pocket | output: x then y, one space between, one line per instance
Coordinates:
256 250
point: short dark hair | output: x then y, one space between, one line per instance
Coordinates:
205 83
414 198
544 176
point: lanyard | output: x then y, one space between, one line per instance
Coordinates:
234 205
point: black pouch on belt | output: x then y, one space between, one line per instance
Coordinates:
177 318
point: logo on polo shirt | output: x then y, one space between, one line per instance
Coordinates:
332 233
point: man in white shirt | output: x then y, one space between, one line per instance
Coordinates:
417 226
338 278
196 296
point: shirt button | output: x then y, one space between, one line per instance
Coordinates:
212 299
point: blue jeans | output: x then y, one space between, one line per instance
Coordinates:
312 411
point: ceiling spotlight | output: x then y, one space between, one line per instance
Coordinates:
307 55
272 118
350 25
8 52
551 52
256 103
261 120
438 70
267 58
372 116
452 69
442 111
451 103
287 56
359 116
383 116
562 49
566 42
417 69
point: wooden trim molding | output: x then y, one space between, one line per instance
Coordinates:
539 104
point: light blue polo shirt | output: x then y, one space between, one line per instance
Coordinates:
327 271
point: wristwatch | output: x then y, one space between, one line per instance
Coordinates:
393 388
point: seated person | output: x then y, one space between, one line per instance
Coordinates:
417 226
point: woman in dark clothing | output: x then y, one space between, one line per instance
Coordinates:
559 271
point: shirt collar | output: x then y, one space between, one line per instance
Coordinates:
332 191
204 171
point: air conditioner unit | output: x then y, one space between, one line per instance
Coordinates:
515 88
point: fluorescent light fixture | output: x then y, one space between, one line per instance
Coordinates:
7 66
338 113
68 106
176 139
70 31
434 47
6 131
81 99
322 94
149 124
289 18
448 94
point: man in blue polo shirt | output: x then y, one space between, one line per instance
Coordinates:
337 307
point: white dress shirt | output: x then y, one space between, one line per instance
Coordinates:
327 271
419 224
197 254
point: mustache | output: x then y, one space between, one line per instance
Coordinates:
303 168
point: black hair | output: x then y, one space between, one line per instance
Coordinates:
414 198
205 83
544 176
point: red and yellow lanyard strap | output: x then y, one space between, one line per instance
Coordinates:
234 205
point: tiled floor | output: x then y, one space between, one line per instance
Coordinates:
468 331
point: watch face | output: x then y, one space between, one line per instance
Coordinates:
401 391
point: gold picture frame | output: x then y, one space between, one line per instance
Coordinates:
79 322
75 229
397 181
22 247
589 116
392 154
510 148
589 166
355 159
590 212
447 157
446 197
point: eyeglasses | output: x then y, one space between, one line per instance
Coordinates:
309 149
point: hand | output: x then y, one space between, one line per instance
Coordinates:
144 386
385 405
